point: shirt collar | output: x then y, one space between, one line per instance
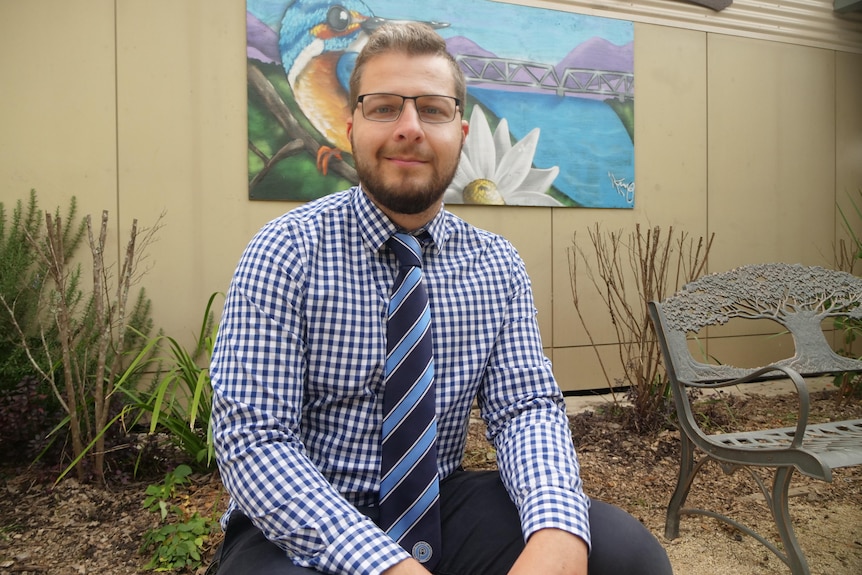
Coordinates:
376 228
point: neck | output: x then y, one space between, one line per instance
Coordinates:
409 222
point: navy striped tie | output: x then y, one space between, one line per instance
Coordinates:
409 485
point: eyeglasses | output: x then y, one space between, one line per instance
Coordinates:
387 107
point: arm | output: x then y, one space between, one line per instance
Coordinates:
527 422
407 567
258 372
552 552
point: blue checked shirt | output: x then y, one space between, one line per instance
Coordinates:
298 366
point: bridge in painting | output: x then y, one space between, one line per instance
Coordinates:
508 72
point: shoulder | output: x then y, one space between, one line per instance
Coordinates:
315 213
468 238
304 223
288 240
479 253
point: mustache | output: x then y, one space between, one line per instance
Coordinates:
406 152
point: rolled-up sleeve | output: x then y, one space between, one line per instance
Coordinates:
527 422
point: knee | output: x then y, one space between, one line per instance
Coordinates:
621 544
645 557
631 559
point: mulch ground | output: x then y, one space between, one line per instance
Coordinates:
75 528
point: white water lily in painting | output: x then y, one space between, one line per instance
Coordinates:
493 171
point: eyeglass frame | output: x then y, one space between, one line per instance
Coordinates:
360 99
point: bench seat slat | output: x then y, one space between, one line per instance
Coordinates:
837 444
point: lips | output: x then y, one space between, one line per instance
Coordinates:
406 156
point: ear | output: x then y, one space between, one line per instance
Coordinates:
349 127
465 129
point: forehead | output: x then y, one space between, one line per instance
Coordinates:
399 73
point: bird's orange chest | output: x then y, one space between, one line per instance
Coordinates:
323 100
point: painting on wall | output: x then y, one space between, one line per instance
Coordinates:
550 99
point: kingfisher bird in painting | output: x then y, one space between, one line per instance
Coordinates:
318 42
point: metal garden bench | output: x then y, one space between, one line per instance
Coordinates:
799 298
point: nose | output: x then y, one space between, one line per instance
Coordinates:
409 126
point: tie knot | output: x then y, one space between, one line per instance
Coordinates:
407 249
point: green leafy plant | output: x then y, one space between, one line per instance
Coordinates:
23 280
847 255
178 540
160 494
78 342
181 401
849 252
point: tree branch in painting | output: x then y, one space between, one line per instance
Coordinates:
300 138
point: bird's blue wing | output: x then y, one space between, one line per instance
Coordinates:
344 68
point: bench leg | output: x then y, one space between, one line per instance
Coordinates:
794 557
683 485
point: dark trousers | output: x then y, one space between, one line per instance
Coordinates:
481 535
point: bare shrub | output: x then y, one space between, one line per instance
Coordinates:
94 335
628 270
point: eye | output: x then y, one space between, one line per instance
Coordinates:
435 109
338 18
384 109
430 111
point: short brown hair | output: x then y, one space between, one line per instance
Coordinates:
412 39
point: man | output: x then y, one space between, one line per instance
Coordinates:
301 362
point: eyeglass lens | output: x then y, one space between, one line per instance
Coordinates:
388 107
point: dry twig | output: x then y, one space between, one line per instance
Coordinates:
658 265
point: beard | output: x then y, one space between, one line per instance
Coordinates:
406 194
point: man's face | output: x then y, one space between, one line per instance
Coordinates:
406 165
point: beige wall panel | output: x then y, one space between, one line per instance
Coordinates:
742 327
750 351
57 118
578 368
182 150
670 171
140 108
529 230
771 152
848 143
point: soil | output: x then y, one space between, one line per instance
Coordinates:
75 528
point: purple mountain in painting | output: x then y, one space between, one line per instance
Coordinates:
459 45
593 54
261 40
600 54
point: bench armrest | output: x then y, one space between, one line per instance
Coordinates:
759 375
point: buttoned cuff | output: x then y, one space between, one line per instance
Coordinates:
555 508
362 548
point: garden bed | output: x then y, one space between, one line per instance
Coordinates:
80 529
